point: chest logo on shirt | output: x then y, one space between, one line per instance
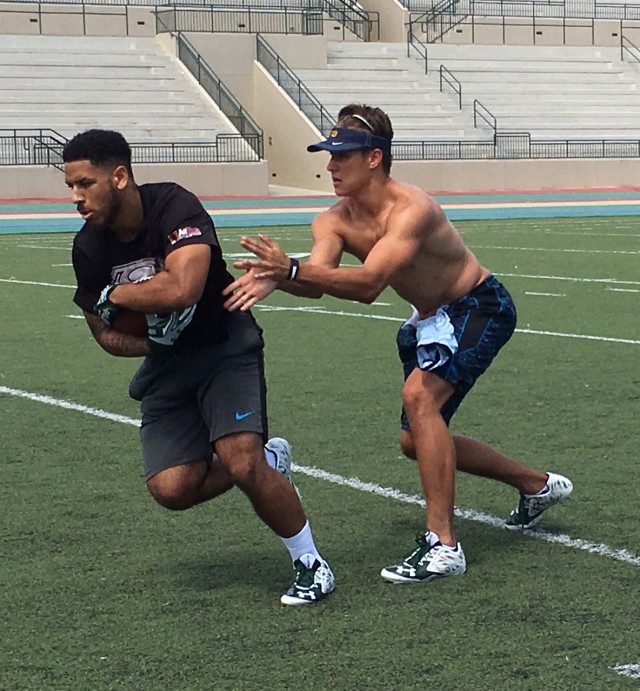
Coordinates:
183 234
136 271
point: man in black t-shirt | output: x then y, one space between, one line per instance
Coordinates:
153 249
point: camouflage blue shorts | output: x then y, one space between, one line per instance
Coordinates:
483 321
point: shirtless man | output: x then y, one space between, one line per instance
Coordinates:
462 316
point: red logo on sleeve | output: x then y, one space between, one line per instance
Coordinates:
183 234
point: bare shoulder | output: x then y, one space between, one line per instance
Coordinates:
415 209
331 220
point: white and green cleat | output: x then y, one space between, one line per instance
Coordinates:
310 584
531 507
427 563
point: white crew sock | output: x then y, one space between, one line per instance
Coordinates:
301 546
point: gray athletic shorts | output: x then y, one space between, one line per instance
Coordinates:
198 395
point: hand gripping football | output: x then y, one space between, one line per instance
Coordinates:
130 322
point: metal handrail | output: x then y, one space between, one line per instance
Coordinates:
506 14
291 84
414 42
626 45
480 111
447 77
212 19
353 18
22 147
439 19
557 9
42 146
210 82
36 146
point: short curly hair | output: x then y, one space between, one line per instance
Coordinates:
99 147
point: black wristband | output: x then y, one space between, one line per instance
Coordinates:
294 267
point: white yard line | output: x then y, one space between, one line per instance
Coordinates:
550 295
35 283
41 247
320 310
534 332
567 278
551 249
596 548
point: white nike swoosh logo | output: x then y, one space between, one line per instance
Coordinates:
336 143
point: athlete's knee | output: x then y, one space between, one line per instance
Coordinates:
416 398
242 456
243 468
177 488
424 393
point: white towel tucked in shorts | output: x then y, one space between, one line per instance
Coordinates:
436 342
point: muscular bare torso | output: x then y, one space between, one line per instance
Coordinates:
434 266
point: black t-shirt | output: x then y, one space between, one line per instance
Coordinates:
172 218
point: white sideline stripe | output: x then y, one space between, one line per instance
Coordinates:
319 310
39 247
582 336
369 487
623 290
34 283
547 231
632 670
68 405
552 249
537 277
568 278
550 295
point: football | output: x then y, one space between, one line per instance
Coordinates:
131 323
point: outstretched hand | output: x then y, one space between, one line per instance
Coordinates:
246 291
273 263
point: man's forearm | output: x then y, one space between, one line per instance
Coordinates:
115 342
342 282
301 291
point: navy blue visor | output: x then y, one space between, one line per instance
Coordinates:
345 139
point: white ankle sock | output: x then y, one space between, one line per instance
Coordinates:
301 546
432 538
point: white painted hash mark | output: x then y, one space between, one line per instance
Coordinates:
599 549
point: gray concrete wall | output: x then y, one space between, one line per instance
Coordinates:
76 20
393 19
232 56
291 166
522 174
286 135
211 180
